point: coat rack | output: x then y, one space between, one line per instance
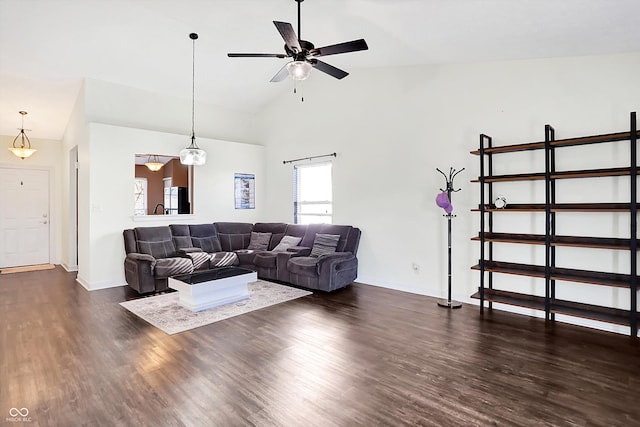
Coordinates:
444 201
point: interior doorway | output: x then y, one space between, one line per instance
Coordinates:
24 217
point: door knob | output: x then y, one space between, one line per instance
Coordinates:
44 222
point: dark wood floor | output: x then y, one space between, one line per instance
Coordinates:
363 356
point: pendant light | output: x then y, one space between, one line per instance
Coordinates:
23 150
153 163
192 155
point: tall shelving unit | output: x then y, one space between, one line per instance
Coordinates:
550 272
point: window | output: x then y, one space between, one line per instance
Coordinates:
312 199
140 193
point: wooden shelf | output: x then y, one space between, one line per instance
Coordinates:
561 207
609 137
512 298
592 312
591 207
569 241
538 176
587 311
593 173
584 140
551 274
566 274
527 239
533 207
512 268
511 148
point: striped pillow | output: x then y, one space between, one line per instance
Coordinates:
324 244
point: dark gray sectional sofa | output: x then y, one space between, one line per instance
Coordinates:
323 256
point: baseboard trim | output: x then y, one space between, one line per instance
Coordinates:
98 285
69 268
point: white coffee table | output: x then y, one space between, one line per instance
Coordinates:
211 288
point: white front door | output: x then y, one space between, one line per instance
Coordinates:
24 217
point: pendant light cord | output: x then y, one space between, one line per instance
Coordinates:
193 37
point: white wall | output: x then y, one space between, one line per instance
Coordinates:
76 134
119 105
46 158
108 207
393 127
109 124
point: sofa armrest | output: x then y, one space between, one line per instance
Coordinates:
336 270
139 272
135 256
183 251
299 251
281 265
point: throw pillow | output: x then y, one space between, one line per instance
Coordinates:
259 241
286 243
324 244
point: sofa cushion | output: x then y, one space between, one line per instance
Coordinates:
155 241
199 259
181 236
182 242
303 265
207 244
166 267
286 243
265 259
157 250
313 229
205 237
221 259
259 241
245 256
324 244
277 230
234 235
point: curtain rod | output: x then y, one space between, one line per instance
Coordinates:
309 158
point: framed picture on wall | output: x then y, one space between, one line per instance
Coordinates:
245 191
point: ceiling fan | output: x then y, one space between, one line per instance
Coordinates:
304 54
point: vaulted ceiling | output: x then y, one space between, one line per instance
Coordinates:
48 46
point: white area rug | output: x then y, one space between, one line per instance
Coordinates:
164 312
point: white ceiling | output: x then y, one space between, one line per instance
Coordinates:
48 46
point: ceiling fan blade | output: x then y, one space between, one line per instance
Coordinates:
329 69
280 75
335 49
256 55
289 35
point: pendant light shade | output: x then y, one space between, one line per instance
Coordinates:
193 155
154 164
23 150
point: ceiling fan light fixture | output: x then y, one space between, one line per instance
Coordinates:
24 150
299 70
